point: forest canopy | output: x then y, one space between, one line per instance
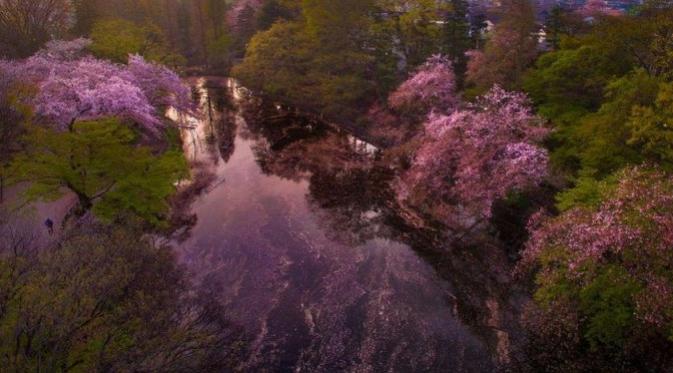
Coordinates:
538 132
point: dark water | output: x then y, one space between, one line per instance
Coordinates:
297 234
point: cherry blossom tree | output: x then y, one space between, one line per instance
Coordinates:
71 88
474 156
162 86
65 49
510 50
431 88
610 263
86 89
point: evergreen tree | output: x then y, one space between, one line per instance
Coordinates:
457 37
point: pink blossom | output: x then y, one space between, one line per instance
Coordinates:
475 156
71 87
86 89
431 88
65 49
162 86
632 228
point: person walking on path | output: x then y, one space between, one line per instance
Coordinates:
50 226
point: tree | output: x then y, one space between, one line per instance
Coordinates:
420 29
105 300
162 86
457 40
469 159
590 85
650 127
431 88
14 113
87 13
116 39
270 12
82 137
316 64
605 140
509 51
87 88
101 164
26 25
604 270
278 62
563 23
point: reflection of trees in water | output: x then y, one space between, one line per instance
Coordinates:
219 120
225 128
351 195
220 113
357 205
353 204
293 147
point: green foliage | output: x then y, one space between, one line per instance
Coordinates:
602 272
342 56
421 36
604 137
631 127
277 61
100 162
456 36
15 114
271 12
571 81
588 192
510 50
605 92
652 127
115 39
608 303
290 62
555 285
103 300
218 50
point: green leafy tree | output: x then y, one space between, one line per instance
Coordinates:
510 50
651 127
602 279
14 114
604 138
101 164
278 61
105 300
271 12
420 31
457 39
318 63
116 39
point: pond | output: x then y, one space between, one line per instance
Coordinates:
295 231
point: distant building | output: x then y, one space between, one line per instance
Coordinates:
544 6
621 5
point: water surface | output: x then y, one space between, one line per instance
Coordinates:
295 232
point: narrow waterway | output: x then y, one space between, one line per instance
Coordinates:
294 232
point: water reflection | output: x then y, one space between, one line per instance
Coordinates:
297 233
